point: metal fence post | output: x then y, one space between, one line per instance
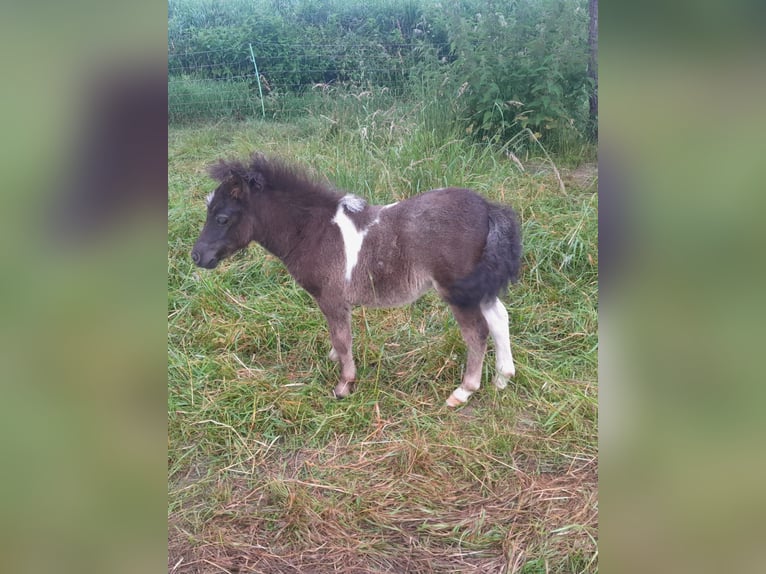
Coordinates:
258 77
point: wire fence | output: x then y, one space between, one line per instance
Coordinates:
310 79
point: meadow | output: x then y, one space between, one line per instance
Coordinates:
267 472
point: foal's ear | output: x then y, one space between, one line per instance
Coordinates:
244 184
255 181
236 190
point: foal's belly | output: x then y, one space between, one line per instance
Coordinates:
387 290
390 270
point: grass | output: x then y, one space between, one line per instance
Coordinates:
268 473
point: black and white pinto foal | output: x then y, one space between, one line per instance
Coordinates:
345 252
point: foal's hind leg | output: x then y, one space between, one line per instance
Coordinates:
473 327
497 320
338 317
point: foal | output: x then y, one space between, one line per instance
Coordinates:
345 252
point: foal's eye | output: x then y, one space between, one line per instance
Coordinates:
222 219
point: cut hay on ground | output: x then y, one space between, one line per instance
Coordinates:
394 506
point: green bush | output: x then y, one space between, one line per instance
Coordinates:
522 68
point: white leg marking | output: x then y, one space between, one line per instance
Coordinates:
334 356
471 384
352 238
497 320
458 397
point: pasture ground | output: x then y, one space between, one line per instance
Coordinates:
268 473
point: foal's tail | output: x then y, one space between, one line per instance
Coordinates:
500 261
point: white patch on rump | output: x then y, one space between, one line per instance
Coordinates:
352 237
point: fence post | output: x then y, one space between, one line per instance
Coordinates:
258 77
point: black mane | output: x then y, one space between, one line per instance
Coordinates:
275 175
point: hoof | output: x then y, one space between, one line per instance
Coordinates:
458 397
500 381
502 375
453 402
343 389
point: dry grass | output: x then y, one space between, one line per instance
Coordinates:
384 504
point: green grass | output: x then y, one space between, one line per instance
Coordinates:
268 473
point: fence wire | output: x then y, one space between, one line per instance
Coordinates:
212 84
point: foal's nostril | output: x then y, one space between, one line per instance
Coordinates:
195 256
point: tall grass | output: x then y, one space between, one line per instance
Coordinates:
268 473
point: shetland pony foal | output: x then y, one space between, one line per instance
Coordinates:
345 252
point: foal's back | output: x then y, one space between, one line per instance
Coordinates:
429 240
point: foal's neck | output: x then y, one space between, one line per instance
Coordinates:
286 220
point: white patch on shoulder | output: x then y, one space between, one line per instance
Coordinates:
353 203
389 205
209 197
352 237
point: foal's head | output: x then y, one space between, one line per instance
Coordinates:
229 226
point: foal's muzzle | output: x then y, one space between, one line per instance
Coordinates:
206 261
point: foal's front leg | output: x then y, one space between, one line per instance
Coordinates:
338 317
